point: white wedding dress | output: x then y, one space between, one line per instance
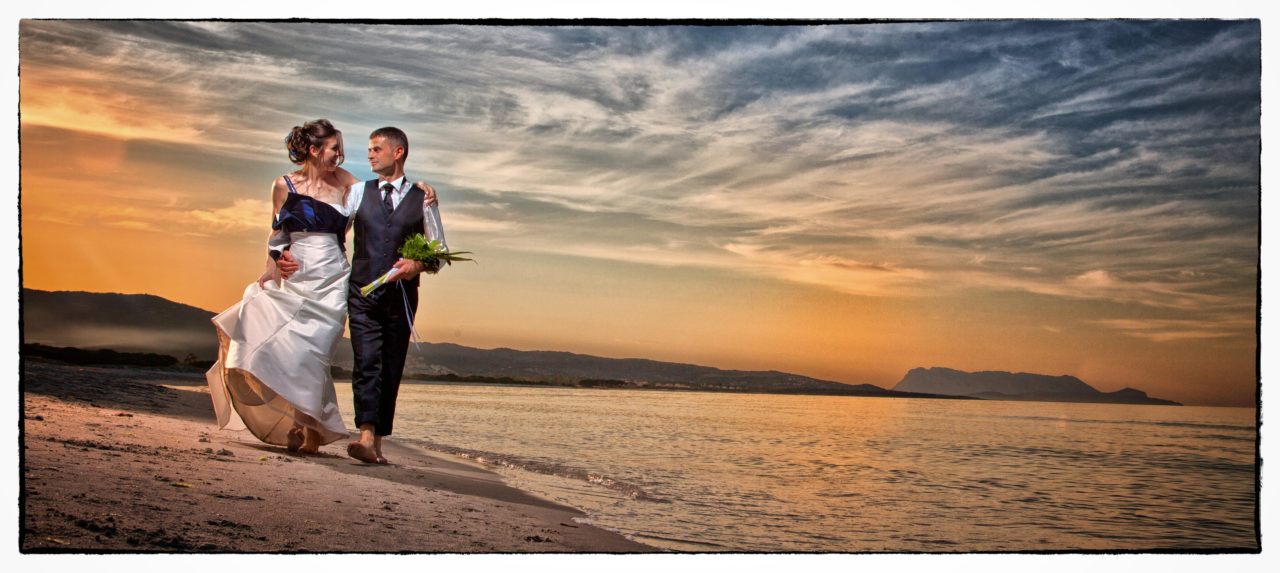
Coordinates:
276 345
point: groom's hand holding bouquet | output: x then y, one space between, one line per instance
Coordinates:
419 255
405 269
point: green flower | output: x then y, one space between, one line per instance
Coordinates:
418 248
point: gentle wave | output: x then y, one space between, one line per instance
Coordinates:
1160 423
1251 439
546 468
794 474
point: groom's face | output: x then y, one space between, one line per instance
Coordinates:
382 157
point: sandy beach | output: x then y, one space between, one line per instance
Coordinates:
131 460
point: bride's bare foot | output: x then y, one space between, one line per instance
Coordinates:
295 439
311 445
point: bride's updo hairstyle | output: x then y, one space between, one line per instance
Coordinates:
300 140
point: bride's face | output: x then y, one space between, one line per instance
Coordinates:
329 154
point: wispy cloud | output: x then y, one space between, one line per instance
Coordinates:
1104 160
1174 330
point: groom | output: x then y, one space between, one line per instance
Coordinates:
384 212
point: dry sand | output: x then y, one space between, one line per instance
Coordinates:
131 460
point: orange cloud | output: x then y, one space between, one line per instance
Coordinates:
243 214
85 102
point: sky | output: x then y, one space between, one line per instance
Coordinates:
845 201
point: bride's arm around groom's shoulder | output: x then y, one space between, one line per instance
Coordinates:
430 199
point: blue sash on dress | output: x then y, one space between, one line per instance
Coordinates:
306 214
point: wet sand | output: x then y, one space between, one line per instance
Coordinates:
131 460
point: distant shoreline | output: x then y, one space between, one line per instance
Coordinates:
664 387
111 358
854 394
147 330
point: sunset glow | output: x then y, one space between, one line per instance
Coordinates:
841 201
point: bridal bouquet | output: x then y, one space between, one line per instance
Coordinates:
417 248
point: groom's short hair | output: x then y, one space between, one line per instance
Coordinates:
394 138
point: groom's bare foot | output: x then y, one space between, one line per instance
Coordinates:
294 439
360 451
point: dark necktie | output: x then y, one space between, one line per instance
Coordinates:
386 198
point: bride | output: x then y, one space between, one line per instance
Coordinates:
276 345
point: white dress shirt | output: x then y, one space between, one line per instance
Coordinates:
401 186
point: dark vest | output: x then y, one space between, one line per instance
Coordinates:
378 235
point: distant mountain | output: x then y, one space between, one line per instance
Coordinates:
150 324
146 323
443 358
123 322
1016 386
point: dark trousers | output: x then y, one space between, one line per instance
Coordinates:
380 332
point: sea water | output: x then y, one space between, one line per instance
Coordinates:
700 471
